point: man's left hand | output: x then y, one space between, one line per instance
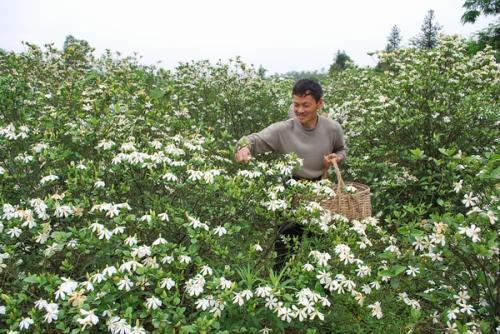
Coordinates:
329 158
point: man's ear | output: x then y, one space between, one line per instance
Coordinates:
321 102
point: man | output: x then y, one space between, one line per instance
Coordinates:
315 139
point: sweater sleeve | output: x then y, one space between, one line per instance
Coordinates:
264 141
339 146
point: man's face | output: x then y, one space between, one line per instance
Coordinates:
305 109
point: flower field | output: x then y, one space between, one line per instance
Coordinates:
122 210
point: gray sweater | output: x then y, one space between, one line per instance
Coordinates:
309 144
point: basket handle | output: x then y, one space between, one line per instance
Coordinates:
340 181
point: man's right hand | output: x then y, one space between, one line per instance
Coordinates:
243 155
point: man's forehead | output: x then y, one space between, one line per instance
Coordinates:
304 98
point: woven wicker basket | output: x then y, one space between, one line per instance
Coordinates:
351 205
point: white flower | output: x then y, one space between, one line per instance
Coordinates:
257 248
167 283
25 323
48 178
118 326
195 286
52 310
412 271
206 270
3 310
159 241
274 205
264 291
146 218
265 330
63 211
470 200
220 231
308 267
89 319
457 186
285 314
363 271
465 308
14 232
238 298
67 287
491 217
462 297
164 216
99 184
125 284
472 232
153 303
376 310
204 303
141 251
366 289
224 283
452 314
131 241
109 271
184 259
40 304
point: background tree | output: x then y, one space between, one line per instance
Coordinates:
474 8
428 37
489 36
394 39
341 62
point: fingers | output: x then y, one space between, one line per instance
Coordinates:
330 158
243 155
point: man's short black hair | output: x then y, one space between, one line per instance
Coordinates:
305 87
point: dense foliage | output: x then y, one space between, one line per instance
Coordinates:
122 211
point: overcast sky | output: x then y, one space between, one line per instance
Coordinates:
280 35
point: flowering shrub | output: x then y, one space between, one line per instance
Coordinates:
122 211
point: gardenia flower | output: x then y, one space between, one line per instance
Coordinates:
457 186
67 287
141 251
116 325
285 314
125 284
376 310
153 303
412 271
470 200
3 309
99 184
264 291
224 283
159 241
52 310
238 298
220 231
63 211
308 267
472 232
195 285
167 283
14 232
184 259
89 319
465 308
48 178
164 217
206 270
25 323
